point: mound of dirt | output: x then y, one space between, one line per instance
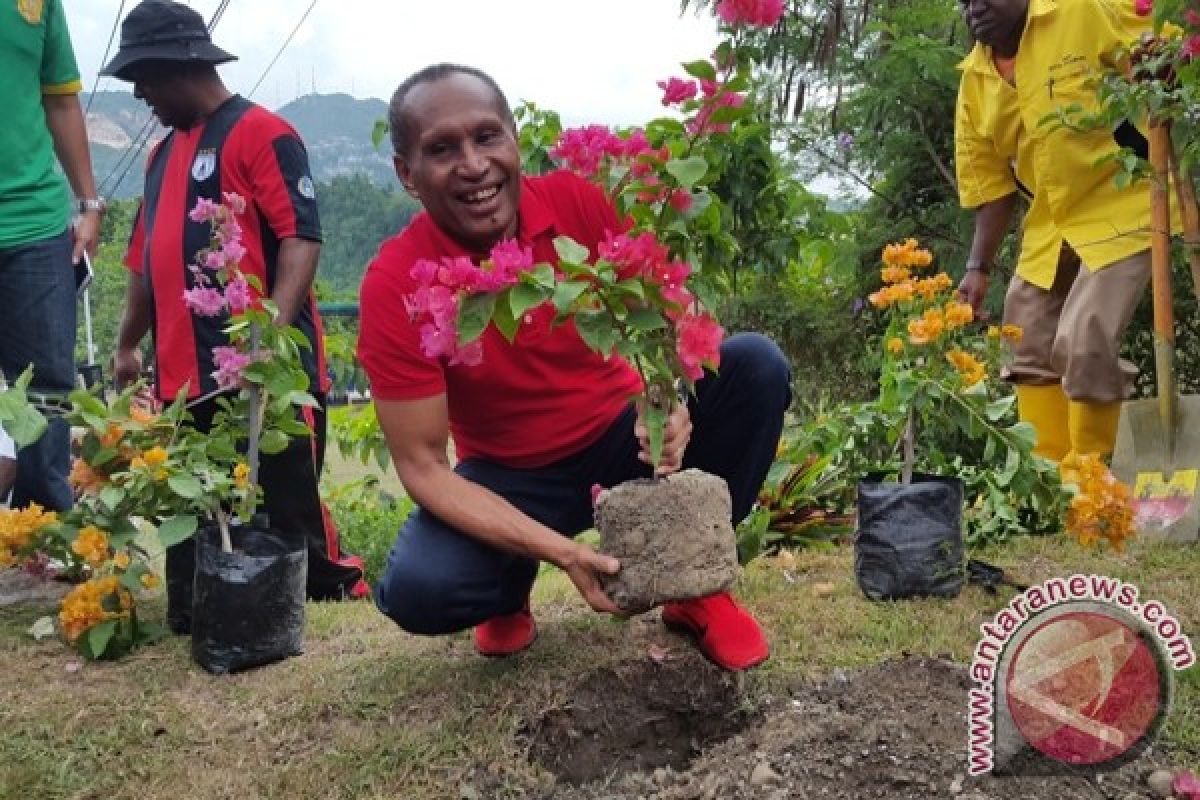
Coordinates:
897 730
672 536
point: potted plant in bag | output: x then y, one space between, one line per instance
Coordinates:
249 583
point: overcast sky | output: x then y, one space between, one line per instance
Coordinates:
591 62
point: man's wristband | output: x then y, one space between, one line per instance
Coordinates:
976 266
85 204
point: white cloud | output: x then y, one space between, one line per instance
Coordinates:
590 62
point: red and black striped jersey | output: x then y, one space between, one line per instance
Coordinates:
240 148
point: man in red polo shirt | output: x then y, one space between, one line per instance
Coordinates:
220 142
540 421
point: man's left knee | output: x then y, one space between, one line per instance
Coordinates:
761 365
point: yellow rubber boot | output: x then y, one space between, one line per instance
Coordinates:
1093 429
1045 408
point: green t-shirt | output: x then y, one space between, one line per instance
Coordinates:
35 59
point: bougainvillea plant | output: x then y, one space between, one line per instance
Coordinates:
260 369
636 298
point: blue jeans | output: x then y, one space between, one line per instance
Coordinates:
37 311
439 580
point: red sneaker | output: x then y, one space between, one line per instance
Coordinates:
506 635
724 631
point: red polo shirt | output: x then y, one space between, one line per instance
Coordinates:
530 403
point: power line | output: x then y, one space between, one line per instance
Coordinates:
283 47
104 59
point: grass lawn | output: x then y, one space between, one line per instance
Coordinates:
370 712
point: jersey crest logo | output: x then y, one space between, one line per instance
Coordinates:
204 165
306 188
31 10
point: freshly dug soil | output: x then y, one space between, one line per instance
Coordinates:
673 538
897 730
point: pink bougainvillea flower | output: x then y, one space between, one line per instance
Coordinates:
424 271
1191 47
230 364
698 344
635 256
1143 8
759 13
1187 785
205 210
438 341
234 251
509 259
682 200
701 124
676 90
1192 17
215 259
204 301
469 356
235 202
238 296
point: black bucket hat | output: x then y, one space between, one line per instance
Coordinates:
160 30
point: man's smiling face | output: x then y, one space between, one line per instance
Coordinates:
462 160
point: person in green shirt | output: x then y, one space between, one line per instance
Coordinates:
38 244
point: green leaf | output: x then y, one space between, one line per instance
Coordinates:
111 497
688 171
379 132
524 297
474 314
176 529
998 409
503 317
186 486
98 637
567 293
570 251
656 423
596 330
543 275
701 69
645 319
273 441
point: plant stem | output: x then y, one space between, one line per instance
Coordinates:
223 526
910 434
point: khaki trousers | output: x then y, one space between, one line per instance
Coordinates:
1073 330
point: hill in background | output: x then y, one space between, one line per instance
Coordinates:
335 127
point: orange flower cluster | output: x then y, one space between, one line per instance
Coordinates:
1103 508
927 328
970 369
84 607
1014 333
906 254
91 545
18 529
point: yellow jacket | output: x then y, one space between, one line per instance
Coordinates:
1001 145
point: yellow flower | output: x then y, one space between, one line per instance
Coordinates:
1102 511
112 436
150 580
241 475
121 560
156 456
92 545
83 607
993 332
969 368
906 254
138 462
958 314
142 416
895 274
161 475
19 527
84 478
1014 333
895 345
880 299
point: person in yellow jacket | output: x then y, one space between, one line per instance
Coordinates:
1084 259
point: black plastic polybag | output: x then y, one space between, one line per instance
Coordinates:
248 605
909 541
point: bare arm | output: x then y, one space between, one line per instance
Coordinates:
417 433
64 118
135 323
991 225
295 270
